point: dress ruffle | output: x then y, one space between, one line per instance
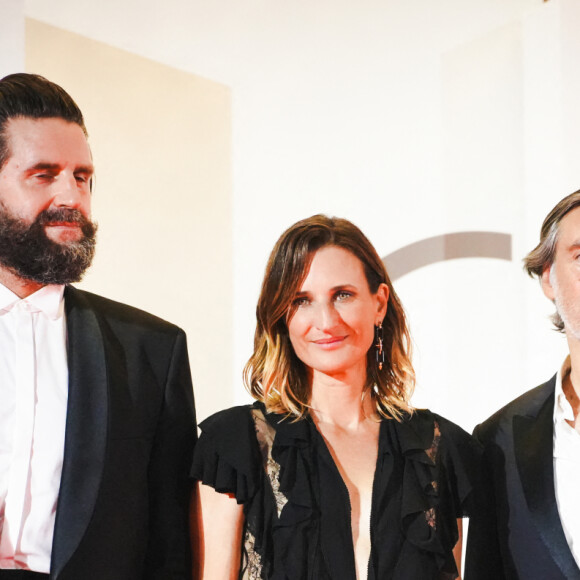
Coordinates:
221 462
297 529
437 487
292 450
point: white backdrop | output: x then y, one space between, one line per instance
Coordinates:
413 118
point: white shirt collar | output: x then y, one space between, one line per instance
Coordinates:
49 300
562 408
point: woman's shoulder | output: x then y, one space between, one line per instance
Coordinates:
426 420
239 419
443 441
226 419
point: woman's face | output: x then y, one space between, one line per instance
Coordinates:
332 327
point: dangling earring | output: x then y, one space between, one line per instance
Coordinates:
380 353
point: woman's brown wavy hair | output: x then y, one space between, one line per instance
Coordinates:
274 374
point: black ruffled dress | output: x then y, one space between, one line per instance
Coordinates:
297 508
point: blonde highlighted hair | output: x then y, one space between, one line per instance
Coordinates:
274 374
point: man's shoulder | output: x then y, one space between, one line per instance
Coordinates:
116 311
528 403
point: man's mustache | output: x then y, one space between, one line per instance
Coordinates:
62 215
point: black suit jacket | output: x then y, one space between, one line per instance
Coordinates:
522 536
130 431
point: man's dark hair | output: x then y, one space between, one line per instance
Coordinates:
31 96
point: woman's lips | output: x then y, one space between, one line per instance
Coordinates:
330 342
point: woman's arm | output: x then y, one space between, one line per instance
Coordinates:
217 523
458 549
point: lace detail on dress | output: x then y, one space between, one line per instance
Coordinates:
253 564
431 519
432 451
265 434
430 515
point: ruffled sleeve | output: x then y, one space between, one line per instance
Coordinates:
461 457
441 470
226 456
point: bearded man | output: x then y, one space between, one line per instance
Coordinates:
532 446
97 421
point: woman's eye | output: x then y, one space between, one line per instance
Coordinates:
343 295
301 301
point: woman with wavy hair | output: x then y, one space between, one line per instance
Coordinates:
331 473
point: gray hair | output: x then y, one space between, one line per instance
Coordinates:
542 256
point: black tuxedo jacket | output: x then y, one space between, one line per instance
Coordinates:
522 536
130 431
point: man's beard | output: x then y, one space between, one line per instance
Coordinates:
567 309
28 252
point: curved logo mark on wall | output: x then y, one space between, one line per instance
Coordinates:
448 247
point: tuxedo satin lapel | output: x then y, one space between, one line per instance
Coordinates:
533 443
86 428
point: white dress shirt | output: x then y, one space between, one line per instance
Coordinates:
34 392
567 465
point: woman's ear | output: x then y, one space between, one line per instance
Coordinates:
382 296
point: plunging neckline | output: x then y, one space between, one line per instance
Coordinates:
327 456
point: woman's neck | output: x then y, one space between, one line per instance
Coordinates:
340 401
